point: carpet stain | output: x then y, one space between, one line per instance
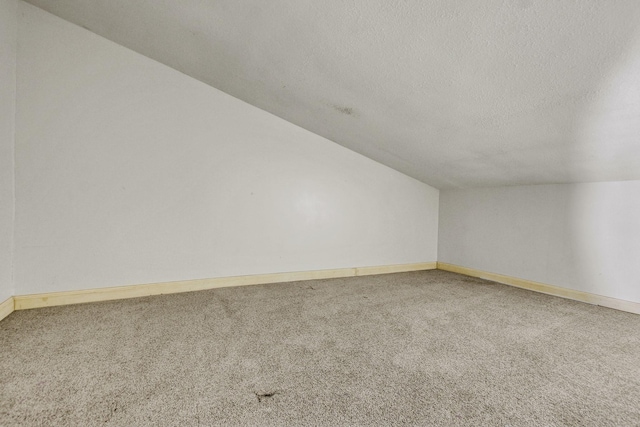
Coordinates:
268 395
224 303
113 408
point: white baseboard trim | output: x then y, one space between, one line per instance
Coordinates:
6 308
618 304
23 302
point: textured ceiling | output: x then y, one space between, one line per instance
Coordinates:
454 93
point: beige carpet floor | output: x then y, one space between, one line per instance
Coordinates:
423 348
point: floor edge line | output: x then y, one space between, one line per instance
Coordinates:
572 294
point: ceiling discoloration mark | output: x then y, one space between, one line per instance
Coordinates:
349 111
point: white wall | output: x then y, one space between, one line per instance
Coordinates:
578 236
8 40
130 172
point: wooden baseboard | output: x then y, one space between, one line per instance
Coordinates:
618 304
23 302
398 268
6 308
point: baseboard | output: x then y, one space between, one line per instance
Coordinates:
23 302
6 308
398 268
618 304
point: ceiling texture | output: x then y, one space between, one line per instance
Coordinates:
455 93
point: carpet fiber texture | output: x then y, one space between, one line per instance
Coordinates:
420 348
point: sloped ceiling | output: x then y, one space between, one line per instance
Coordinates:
455 93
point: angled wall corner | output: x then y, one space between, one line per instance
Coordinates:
130 172
8 46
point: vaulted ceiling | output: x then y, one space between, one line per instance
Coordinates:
455 93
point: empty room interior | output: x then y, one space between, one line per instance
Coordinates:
319 213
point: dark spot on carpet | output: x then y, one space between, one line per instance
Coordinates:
113 408
267 395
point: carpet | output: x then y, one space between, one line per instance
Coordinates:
419 348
